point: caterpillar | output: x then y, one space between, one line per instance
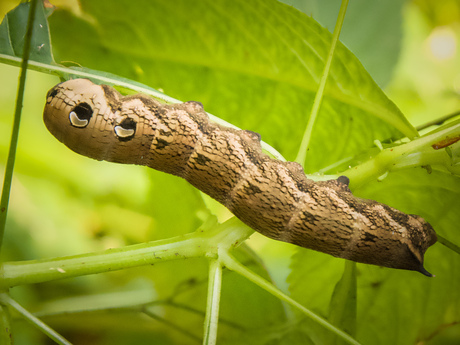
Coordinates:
273 197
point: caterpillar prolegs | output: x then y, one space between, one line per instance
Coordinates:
273 197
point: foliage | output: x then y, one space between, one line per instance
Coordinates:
256 64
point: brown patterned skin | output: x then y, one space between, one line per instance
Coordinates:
273 197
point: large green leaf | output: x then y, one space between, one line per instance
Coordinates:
254 63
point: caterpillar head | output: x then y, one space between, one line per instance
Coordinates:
91 120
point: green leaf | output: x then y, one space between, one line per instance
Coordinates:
164 192
374 39
13 29
244 61
342 310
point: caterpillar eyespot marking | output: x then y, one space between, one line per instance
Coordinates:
273 197
126 129
80 115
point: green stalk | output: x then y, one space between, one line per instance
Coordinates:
211 321
6 337
16 122
197 244
415 153
303 149
37 271
59 339
452 246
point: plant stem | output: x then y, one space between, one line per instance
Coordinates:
5 324
303 149
16 122
444 241
197 244
213 302
7 300
36 271
417 152
438 121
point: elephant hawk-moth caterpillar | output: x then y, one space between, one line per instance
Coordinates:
273 197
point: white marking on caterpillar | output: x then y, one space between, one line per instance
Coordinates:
76 122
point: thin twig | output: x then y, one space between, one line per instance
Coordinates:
438 121
303 149
4 202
